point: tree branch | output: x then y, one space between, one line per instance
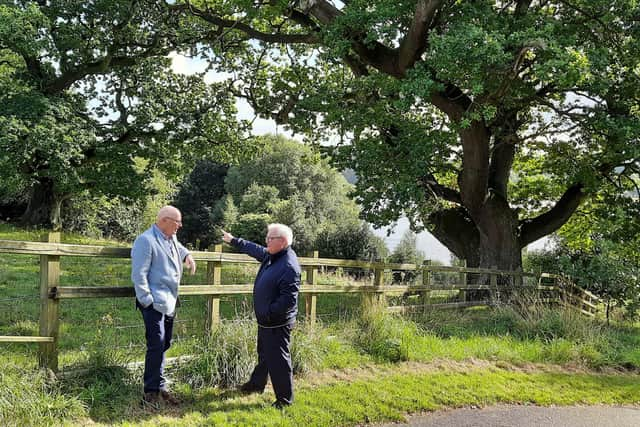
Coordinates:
522 6
505 138
102 66
416 40
502 156
248 30
374 54
432 186
454 229
542 225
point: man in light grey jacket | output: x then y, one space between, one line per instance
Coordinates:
156 269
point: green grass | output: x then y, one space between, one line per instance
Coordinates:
440 373
358 364
387 395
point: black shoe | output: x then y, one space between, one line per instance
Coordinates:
248 388
280 404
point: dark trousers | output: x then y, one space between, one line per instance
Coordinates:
158 331
274 360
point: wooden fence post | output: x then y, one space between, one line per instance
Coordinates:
214 270
378 281
462 278
49 321
426 281
493 288
311 299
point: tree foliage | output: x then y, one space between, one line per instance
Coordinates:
488 122
407 250
199 198
292 184
86 87
598 248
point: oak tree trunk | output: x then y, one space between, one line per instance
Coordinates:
44 207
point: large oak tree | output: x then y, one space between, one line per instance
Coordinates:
87 86
488 122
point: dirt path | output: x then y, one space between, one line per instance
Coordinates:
527 416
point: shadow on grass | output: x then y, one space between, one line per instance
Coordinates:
113 394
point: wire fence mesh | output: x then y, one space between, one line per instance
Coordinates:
19 294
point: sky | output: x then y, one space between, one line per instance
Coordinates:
426 243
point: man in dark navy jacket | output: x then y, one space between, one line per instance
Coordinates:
275 302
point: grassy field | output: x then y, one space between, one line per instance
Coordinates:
358 365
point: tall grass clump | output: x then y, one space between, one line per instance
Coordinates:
571 336
34 398
386 337
227 357
104 383
224 359
310 345
543 334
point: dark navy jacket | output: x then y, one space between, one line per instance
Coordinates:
275 290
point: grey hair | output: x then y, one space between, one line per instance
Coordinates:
283 231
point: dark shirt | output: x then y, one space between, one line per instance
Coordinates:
275 290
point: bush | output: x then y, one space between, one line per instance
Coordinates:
102 217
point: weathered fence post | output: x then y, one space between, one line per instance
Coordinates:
378 281
311 299
462 278
493 288
214 270
426 281
49 322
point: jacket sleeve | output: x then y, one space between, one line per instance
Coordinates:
252 249
288 288
141 254
182 251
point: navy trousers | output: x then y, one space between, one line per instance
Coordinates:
274 360
158 331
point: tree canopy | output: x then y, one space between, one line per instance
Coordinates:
488 122
86 87
291 183
598 248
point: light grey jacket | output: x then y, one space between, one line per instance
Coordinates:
155 272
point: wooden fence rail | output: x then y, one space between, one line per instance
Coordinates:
51 292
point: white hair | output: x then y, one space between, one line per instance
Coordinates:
282 231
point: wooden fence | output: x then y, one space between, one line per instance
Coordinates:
496 285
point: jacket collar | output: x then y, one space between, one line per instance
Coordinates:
163 239
159 234
277 255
